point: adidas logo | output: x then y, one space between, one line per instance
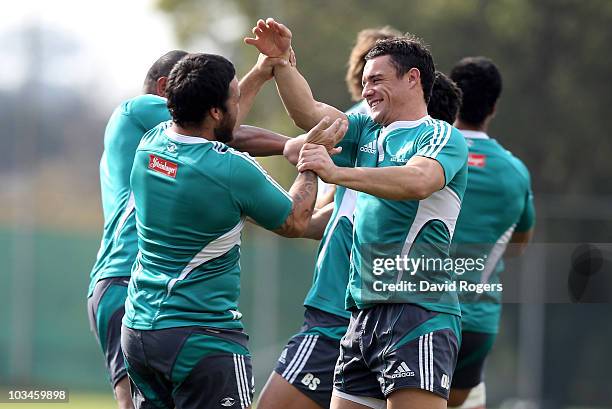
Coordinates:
369 147
403 371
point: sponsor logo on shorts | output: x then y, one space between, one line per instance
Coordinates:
163 166
445 381
311 381
283 357
369 147
403 371
227 402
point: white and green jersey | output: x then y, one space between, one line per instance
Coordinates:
192 197
498 201
128 123
387 229
331 273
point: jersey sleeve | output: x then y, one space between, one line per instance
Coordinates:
149 111
258 195
527 219
446 145
350 142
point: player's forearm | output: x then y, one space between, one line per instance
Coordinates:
299 102
303 193
395 183
258 141
319 221
249 85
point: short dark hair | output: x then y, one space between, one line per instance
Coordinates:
196 84
445 99
481 84
162 68
407 52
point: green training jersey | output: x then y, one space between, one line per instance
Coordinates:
330 278
192 197
128 123
388 232
498 201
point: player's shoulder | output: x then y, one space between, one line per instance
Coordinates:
514 162
143 104
363 121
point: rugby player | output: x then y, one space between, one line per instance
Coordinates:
111 271
497 209
182 334
410 171
303 377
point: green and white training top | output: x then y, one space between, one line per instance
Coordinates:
498 202
331 272
125 128
192 197
388 229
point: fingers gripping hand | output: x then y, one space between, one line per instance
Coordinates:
315 157
271 38
265 65
327 134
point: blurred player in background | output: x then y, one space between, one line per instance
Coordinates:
497 209
111 272
400 160
182 335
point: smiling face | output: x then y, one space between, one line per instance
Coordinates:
385 93
392 98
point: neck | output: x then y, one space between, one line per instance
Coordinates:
411 113
198 132
482 127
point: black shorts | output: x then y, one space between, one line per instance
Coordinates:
308 360
188 368
475 346
397 346
105 309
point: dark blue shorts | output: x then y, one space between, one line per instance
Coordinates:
475 346
308 360
397 346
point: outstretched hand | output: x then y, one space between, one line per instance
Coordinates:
328 135
271 38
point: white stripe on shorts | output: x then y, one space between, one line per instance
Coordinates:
306 356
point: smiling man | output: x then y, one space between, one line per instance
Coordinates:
410 171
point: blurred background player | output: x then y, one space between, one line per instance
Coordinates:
399 159
182 335
497 210
111 271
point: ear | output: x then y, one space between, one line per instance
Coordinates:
160 86
413 76
216 114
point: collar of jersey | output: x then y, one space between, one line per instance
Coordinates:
403 124
177 137
474 134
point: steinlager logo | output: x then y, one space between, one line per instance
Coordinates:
162 166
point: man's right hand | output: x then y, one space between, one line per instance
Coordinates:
271 38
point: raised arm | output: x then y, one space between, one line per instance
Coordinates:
251 83
274 40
